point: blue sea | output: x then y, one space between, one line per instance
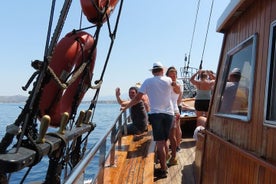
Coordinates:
104 117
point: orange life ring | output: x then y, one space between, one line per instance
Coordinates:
94 9
70 53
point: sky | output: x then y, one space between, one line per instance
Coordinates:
148 31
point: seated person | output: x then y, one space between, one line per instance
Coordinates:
138 112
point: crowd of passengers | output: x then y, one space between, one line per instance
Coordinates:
158 102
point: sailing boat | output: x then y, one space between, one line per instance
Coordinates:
238 144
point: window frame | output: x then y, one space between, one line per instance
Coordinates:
270 72
245 118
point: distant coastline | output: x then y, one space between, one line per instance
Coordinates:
13 99
20 99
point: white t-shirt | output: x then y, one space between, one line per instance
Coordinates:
159 91
174 101
175 98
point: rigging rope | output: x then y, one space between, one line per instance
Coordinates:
81 16
49 28
187 59
192 40
210 15
112 37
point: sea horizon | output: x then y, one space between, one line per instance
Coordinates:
22 99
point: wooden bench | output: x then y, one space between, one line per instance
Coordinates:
134 160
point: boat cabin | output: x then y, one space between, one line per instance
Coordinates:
239 143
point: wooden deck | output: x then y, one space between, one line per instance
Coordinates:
183 172
135 162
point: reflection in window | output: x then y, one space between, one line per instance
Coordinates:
271 88
236 91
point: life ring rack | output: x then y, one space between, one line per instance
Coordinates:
69 75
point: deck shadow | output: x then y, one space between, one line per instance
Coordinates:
188 174
188 144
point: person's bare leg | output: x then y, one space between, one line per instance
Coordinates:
167 149
173 141
178 133
161 152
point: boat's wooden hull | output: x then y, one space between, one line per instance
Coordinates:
240 148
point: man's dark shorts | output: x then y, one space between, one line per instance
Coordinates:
161 124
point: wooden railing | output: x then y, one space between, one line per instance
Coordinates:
115 133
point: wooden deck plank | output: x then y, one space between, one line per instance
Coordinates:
135 163
111 172
149 166
183 172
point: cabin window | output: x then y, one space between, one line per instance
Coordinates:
270 109
235 93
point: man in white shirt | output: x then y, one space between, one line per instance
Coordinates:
159 89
